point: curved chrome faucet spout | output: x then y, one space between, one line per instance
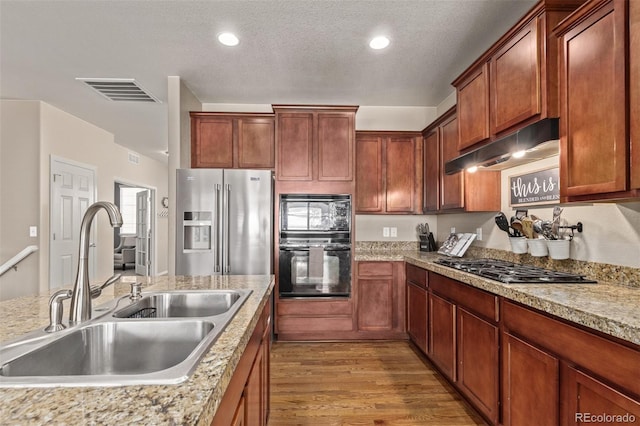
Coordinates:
81 297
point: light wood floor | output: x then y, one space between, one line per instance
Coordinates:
360 383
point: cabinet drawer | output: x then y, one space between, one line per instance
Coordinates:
417 275
478 301
617 363
375 269
315 307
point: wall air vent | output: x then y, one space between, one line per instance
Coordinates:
119 89
134 158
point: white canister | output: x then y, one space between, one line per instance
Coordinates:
518 245
559 249
537 247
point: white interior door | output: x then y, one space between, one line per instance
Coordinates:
72 192
143 233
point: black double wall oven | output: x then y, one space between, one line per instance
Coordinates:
315 245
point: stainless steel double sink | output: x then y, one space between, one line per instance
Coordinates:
158 339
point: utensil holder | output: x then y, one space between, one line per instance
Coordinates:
537 247
518 245
559 249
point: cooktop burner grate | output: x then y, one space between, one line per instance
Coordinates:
512 273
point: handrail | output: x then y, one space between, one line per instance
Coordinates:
13 262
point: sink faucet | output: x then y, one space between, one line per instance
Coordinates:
81 296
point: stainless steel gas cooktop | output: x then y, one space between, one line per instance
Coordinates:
512 273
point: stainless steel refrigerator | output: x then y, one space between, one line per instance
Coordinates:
224 222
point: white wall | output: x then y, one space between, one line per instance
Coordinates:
19 194
369 227
611 231
394 118
63 135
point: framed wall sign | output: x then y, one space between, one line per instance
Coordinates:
535 188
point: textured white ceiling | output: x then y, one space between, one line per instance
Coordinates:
289 52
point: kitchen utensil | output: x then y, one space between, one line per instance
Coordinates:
557 211
527 227
516 225
422 228
521 213
503 223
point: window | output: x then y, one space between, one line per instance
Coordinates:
128 209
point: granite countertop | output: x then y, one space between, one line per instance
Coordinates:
608 307
194 401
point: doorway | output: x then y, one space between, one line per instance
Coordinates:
134 241
73 190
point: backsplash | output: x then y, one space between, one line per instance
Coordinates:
616 274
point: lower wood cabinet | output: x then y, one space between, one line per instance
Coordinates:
478 367
380 297
516 365
442 329
417 300
559 373
586 399
530 384
247 398
238 417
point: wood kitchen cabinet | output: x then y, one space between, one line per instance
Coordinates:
247 398
598 77
515 82
417 305
463 191
473 107
530 384
465 339
380 298
478 367
431 170
451 186
315 143
388 172
442 334
553 366
221 140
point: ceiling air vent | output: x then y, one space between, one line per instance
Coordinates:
119 89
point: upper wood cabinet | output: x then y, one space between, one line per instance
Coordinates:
515 79
388 172
599 158
473 107
315 143
431 177
221 140
515 82
461 191
451 186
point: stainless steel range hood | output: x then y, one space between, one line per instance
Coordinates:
539 140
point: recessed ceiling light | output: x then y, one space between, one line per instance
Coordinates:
228 39
379 42
519 154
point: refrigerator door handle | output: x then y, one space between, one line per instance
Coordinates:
217 233
227 231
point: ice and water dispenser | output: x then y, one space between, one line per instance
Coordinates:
197 231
